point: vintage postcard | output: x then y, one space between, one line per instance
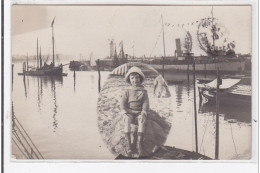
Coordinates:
124 82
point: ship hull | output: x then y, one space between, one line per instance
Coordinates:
228 98
54 71
209 67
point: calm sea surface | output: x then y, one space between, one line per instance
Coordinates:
59 114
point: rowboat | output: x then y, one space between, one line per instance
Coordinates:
230 92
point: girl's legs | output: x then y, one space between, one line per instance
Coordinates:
134 136
127 122
141 128
141 123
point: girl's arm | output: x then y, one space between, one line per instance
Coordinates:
123 102
145 108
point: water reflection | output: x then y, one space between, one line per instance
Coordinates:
188 75
25 89
28 85
51 79
231 114
74 76
39 93
45 81
179 90
188 88
55 108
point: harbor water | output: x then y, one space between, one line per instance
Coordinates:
60 116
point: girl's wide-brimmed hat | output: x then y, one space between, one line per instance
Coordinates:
134 69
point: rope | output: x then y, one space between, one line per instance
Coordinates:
32 151
233 138
14 131
29 138
23 136
20 149
19 140
156 42
204 134
56 56
16 135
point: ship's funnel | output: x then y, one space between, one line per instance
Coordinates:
178 47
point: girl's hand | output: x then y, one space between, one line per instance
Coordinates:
143 113
130 116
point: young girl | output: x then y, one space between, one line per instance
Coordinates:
134 108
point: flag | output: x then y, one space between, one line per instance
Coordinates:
53 22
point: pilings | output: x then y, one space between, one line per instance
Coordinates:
217 116
195 109
188 72
12 76
205 70
24 69
99 76
74 73
74 77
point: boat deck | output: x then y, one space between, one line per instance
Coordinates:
168 153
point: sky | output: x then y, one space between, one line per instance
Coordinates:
82 30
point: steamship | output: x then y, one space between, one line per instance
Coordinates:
183 60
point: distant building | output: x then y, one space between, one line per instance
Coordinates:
112 48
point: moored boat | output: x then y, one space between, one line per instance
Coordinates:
230 66
50 71
230 93
44 70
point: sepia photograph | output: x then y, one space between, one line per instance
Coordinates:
131 82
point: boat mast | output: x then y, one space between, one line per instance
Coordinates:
53 61
27 62
163 47
133 50
37 58
40 57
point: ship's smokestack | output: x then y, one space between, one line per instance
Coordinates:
112 49
178 47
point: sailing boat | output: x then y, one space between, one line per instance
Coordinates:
45 69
